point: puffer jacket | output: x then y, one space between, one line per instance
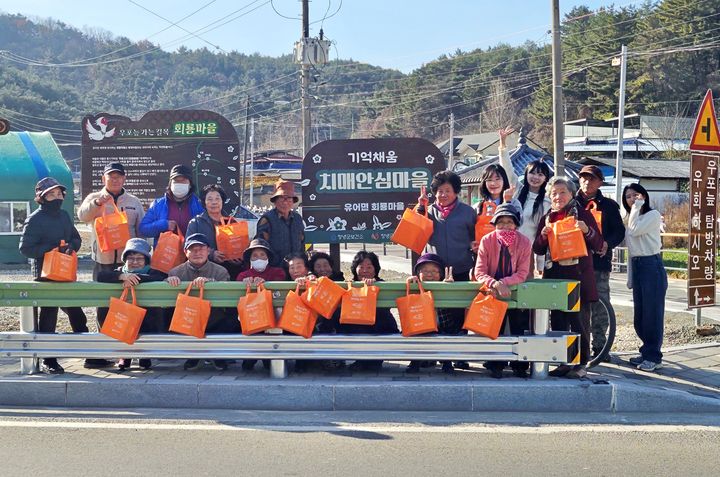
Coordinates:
43 230
155 221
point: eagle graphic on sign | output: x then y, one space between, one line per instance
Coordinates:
101 132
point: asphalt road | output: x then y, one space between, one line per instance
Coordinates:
279 444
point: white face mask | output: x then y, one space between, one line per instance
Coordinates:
179 190
259 265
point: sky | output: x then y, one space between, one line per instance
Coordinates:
399 34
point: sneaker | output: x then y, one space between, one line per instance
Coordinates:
220 364
636 360
496 372
577 372
649 366
123 363
560 371
192 365
145 363
92 363
520 373
51 366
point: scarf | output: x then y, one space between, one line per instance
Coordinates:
504 268
445 210
569 209
141 271
506 237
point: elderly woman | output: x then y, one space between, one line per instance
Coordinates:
563 204
213 197
282 227
453 224
174 210
646 275
297 267
43 231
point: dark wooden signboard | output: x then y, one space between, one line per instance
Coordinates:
202 140
356 190
702 240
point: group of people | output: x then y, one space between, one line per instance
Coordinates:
520 214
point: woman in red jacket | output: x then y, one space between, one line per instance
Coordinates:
562 204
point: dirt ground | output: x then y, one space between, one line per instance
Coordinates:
679 327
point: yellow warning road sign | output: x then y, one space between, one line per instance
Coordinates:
705 136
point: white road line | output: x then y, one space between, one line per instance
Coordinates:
473 429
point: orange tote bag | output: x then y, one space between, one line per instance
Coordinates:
255 310
417 312
485 315
124 319
232 238
566 241
112 230
359 305
482 224
324 297
596 213
58 266
413 231
168 252
297 318
191 314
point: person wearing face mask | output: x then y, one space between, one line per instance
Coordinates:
259 256
43 231
91 208
174 210
503 260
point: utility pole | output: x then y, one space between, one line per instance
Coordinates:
245 152
252 161
305 82
621 124
451 144
558 128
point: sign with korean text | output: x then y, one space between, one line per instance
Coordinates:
202 140
705 136
356 190
702 239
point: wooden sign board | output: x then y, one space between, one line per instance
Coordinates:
702 238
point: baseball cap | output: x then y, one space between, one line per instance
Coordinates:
594 171
114 167
196 238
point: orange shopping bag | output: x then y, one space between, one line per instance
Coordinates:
232 238
255 310
413 231
112 230
297 318
596 213
417 312
124 319
358 305
168 251
485 315
58 266
324 297
191 314
482 224
565 240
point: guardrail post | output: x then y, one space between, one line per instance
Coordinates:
541 325
27 325
278 368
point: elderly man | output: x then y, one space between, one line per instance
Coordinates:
113 179
199 270
613 233
282 227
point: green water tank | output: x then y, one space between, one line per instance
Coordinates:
25 158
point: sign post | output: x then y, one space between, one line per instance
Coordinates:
702 236
356 190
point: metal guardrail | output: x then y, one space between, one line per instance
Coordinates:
541 348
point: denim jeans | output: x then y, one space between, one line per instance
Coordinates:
649 281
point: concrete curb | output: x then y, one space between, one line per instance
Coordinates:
509 395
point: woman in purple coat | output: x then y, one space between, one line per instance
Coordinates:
562 204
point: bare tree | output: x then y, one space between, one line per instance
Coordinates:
500 109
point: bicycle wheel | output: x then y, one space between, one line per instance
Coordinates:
609 336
